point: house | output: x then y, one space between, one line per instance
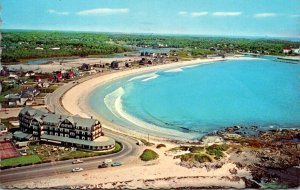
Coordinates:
30 74
3 128
13 76
296 51
58 77
73 131
39 48
117 64
13 99
55 48
287 50
70 75
32 91
86 67
38 79
43 84
128 64
26 98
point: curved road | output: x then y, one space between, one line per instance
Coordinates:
128 153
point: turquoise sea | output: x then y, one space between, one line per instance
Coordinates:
194 100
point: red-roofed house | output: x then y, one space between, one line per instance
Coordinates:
287 50
71 75
37 79
58 77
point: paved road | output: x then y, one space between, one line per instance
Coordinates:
129 152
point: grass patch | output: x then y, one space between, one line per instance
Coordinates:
148 155
41 95
20 161
190 157
217 150
50 89
82 154
196 149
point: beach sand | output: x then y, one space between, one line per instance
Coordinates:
161 173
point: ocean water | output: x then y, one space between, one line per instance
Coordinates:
37 62
194 100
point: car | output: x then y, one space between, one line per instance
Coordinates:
107 161
114 164
78 161
77 169
23 153
103 165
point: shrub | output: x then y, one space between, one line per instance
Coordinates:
196 149
148 155
160 145
190 157
217 150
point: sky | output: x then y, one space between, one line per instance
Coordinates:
274 18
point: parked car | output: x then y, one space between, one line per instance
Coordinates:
77 169
23 153
107 161
78 161
114 164
103 165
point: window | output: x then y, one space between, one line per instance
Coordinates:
89 138
61 134
77 137
66 135
51 133
56 134
83 138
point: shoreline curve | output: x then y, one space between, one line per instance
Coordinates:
75 100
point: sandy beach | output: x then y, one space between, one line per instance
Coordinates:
165 172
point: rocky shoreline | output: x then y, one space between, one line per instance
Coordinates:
272 156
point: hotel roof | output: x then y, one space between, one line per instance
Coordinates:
44 116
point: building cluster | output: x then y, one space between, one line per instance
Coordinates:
25 97
291 51
22 87
147 58
73 131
